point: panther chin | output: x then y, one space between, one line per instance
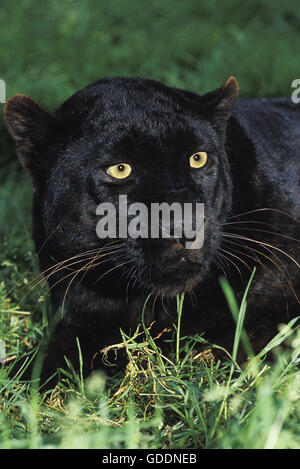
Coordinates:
179 276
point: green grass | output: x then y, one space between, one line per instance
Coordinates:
183 400
187 400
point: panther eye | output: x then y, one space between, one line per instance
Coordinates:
199 159
119 171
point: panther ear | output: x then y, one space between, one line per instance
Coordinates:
219 103
30 126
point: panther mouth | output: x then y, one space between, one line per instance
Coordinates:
164 262
174 275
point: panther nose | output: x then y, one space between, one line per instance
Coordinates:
191 255
187 254
170 247
178 246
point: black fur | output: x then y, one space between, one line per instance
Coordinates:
253 149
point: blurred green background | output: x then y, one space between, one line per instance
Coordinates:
49 49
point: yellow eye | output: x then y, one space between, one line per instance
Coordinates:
119 171
199 159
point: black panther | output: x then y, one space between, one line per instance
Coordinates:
153 143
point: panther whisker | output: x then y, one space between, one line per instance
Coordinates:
139 276
281 271
258 210
131 273
37 253
219 263
56 268
241 260
233 263
45 279
91 263
257 222
61 263
113 268
266 231
256 259
262 243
